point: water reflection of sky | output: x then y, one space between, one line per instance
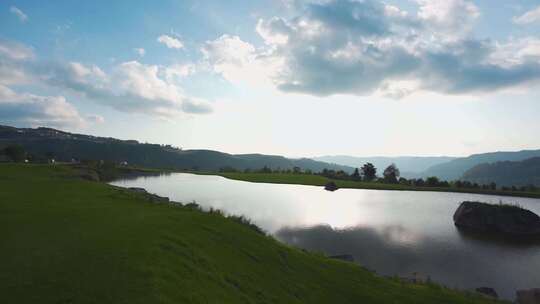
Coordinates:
392 232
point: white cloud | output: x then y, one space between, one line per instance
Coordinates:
177 71
34 110
170 42
239 62
140 51
20 14
96 119
15 51
516 51
367 47
130 86
448 19
531 16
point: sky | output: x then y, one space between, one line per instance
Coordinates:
289 77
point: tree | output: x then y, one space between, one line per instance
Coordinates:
432 181
391 174
369 172
16 153
356 174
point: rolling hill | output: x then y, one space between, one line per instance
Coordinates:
410 166
506 173
455 169
65 146
75 241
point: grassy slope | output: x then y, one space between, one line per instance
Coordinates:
65 240
317 180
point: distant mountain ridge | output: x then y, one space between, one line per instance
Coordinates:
443 167
506 173
410 166
455 169
66 146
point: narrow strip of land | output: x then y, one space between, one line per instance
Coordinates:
318 180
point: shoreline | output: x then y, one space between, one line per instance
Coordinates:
318 180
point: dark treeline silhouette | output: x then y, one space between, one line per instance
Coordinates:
46 143
390 175
507 173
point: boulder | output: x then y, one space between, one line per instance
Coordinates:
528 296
330 186
137 189
497 219
488 291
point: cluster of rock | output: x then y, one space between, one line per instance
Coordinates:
488 291
497 219
154 198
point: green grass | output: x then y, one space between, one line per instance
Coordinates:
318 180
65 240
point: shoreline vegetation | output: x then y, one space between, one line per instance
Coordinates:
103 244
319 180
365 177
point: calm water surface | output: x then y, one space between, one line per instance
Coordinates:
391 232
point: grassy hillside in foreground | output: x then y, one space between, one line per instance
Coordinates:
318 180
66 240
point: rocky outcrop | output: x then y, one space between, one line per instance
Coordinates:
330 186
528 296
488 291
497 219
154 198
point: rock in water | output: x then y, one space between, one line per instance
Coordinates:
330 186
500 219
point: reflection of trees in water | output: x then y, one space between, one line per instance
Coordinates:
395 250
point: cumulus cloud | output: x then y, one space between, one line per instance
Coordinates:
240 62
35 110
448 19
22 108
140 51
129 86
15 51
178 71
360 47
19 13
532 16
170 42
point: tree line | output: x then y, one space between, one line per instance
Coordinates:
390 175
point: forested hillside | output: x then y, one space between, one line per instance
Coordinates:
507 173
49 143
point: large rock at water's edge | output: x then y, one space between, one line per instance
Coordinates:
330 186
528 296
500 219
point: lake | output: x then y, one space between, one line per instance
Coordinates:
390 232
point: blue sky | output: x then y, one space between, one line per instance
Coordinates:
290 77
